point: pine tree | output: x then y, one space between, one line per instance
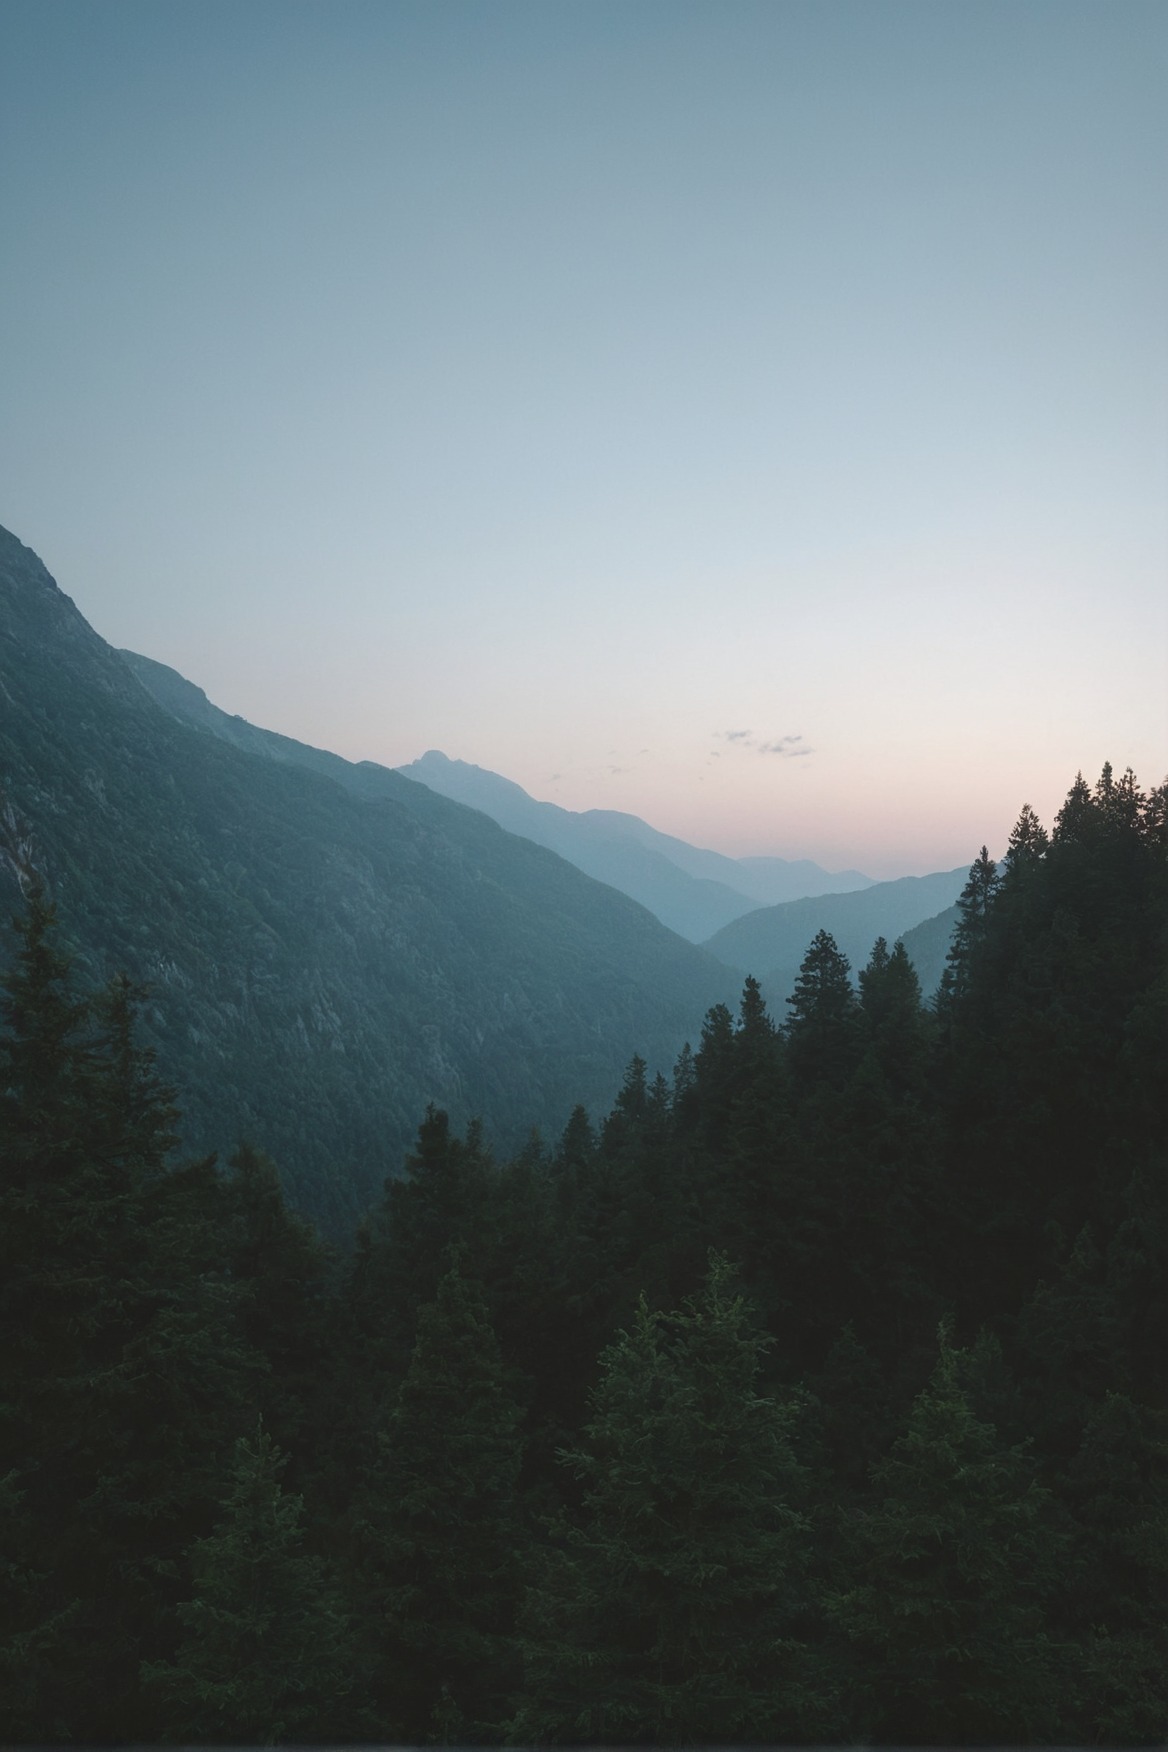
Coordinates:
750 1171
578 1141
120 1370
952 1572
713 1078
823 1028
1028 845
265 1653
623 1127
442 1200
281 1270
890 999
1116 1486
672 1611
974 906
441 1560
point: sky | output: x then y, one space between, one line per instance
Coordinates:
752 416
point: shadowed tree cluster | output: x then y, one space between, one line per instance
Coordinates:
816 1393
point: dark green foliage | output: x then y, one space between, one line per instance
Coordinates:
121 1366
895 1022
823 1030
1052 1087
264 1654
1116 1486
282 1275
440 1535
974 906
443 1199
810 1529
950 1571
578 1141
671 1610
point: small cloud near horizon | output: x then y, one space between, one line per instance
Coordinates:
787 747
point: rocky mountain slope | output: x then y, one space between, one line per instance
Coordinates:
328 947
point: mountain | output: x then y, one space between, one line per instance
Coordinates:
927 946
693 891
329 946
772 942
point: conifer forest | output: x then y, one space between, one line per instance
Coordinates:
814 1394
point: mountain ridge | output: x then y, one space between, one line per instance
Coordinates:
693 890
771 942
328 950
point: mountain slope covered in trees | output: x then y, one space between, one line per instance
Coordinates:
328 950
817 1395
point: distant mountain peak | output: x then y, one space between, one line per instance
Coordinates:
692 890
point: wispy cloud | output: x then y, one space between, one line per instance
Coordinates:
786 747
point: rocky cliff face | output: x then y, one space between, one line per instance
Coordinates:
327 951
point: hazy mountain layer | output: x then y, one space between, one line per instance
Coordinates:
325 957
927 945
771 942
693 891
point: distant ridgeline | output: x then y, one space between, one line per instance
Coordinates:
691 890
817 1394
329 947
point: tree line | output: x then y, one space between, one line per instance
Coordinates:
816 1394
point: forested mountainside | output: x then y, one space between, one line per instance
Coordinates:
327 951
769 943
816 1395
693 891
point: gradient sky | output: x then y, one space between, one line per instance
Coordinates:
752 416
